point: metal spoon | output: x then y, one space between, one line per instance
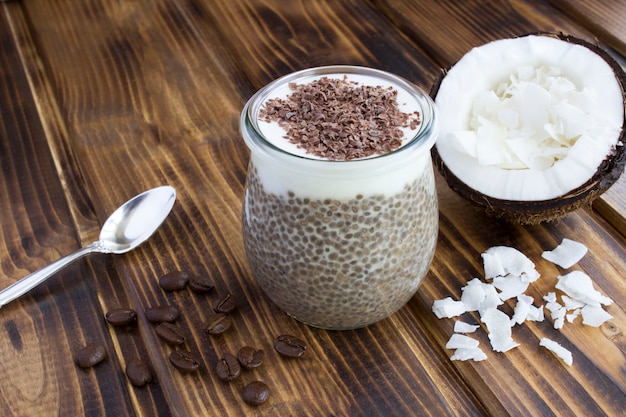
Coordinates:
129 226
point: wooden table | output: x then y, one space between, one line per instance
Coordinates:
103 99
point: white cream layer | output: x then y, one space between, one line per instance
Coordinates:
292 170
342 180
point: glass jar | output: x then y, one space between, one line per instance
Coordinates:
339 244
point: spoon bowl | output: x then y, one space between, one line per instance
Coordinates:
125 229
136 220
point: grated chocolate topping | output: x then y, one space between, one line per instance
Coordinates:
340 120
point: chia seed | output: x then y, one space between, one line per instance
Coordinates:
349 273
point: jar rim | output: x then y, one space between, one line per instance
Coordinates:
424 137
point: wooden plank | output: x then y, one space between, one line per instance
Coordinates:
150 93
43 330
421 21
612 205
45 214
46 108
605 19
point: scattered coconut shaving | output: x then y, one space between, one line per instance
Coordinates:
510 287
557 349
476 354
462 327
499 328
571 303
479 296
525 310
557 311
460 341
594 316
501 261
567 254
511 273
573 315
448 308
579 286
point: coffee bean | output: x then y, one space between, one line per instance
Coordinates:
162 313
170 333
174 281
90 355
250 358
200 284
228 368
121 316
138 372
185 361
217 323
226 304
256 393
289 346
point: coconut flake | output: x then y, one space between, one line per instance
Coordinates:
525 310
448 308
492 299
557 311
558 316
463 327
528 311
489 144
534 107
565 255
571 304
550 297
579 286
522 308
535 314
499 328
475 354
557 349
473 294
594 315
527 299
553 306
510 286
464 142
460 341
492 263
573 315
500 261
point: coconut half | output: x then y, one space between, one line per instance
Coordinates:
531 128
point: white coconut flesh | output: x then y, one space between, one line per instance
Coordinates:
528 119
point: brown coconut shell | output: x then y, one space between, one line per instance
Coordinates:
535 212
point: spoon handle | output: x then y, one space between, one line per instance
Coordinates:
29 282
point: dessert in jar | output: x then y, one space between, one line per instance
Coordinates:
340 213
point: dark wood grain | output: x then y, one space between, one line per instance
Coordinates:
104 99
40 331
604 19
612 204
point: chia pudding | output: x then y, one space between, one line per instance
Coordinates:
340 241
